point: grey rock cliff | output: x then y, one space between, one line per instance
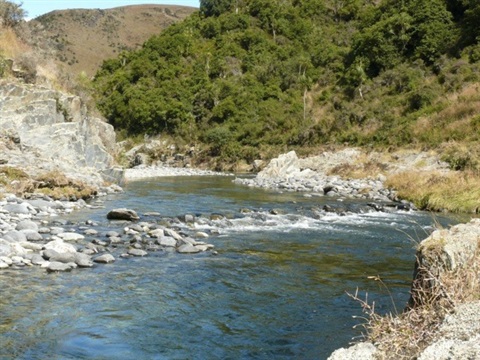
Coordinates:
43 130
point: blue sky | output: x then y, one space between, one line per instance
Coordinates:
39 7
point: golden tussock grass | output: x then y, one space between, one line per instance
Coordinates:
455 191
54 184
10 45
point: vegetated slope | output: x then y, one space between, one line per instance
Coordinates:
257 76
82 39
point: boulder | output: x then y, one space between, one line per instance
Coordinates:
173 234
83 260
15 236
31 246
122 214
37 259
27 225
6 260
65 258
71 236
137 252
49 253
58 267
157 233
201 235
104 259
32 235
18 208
445 250
281 167
188 249
60 246
167 241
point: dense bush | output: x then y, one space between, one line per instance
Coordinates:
257 74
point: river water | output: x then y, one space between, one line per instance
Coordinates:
276 287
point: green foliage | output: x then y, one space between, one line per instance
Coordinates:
215 7
401 30
243 76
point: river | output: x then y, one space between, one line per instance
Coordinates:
275 287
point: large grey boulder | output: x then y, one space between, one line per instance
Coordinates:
63 257
19 208
58 267
104 259
32 235
60 246
137 252
188 249
15 236
283 166
27 225
445 250
83 260
122 214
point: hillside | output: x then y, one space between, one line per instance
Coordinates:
254 78
82 39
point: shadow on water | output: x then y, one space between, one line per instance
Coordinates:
276 288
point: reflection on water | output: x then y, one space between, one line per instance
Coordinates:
276 289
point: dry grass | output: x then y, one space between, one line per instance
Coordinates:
454 191
10 45
54 184
434 295
81 39
359 170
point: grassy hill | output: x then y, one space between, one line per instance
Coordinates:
81 39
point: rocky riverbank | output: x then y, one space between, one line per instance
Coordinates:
289 173
443 317
53 153
33 233
323 175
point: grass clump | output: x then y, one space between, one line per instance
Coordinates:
453 191
10 173
56 185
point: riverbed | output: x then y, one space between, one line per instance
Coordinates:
275 286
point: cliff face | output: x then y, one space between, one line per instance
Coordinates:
45 130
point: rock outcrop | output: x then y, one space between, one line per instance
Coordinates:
446 276
44 130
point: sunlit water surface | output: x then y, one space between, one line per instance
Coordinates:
276 289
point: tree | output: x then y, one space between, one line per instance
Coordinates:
10 13
400 30
215 7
